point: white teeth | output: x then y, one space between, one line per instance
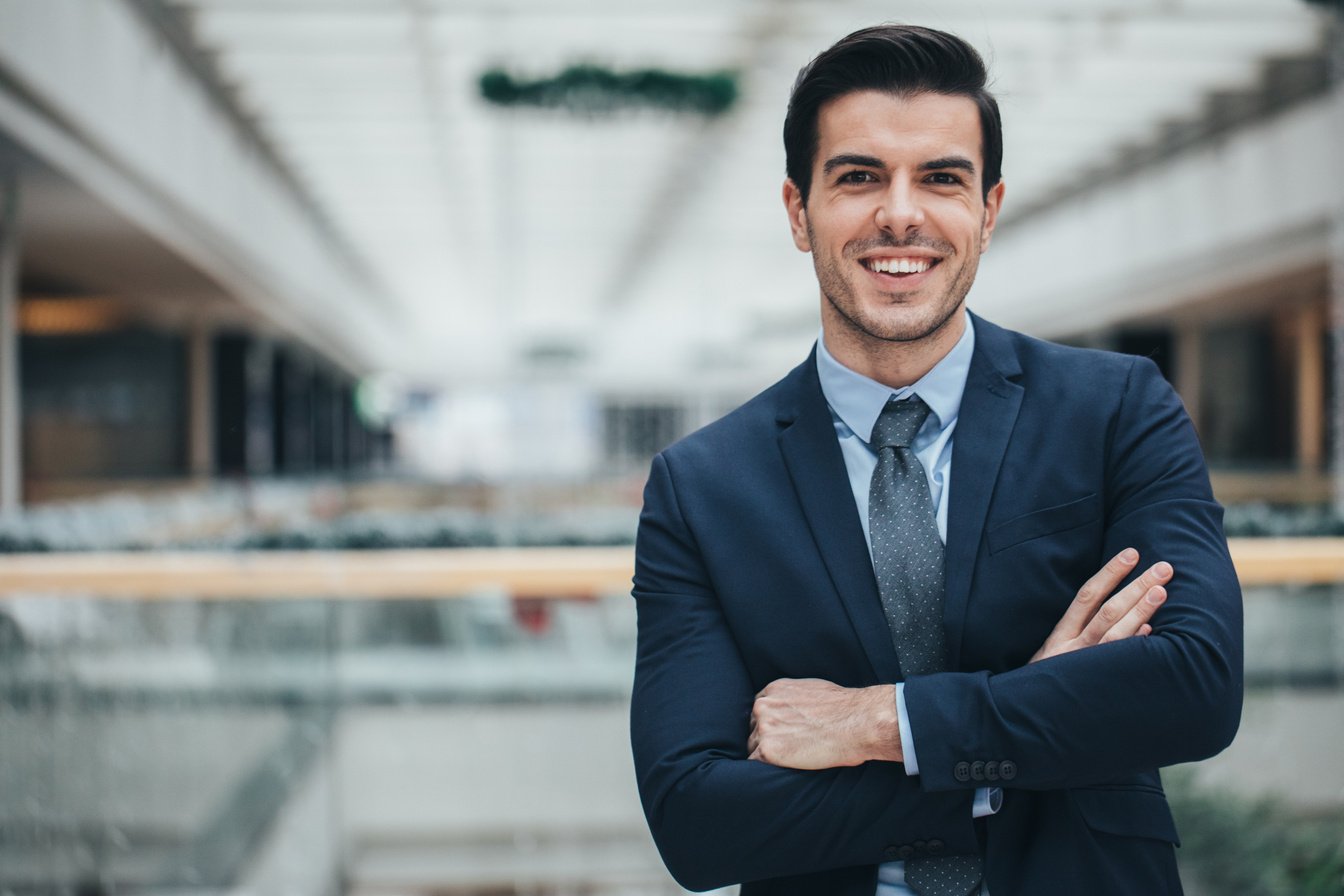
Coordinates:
900 265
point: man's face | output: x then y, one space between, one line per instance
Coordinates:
896 220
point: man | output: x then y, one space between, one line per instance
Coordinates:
876 655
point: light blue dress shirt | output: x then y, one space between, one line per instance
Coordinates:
855 402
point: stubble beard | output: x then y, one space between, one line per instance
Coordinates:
841 295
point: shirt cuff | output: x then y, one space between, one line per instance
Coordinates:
988 801
907 740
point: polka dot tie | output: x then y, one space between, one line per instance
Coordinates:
908 560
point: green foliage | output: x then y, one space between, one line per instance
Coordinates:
1255 848
449 528
442 527
594 91
1288 521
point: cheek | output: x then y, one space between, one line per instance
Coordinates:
842 220
959 221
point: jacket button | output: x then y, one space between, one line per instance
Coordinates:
892 852
935 847
962 772
906 852
977 771
1007 770
991 771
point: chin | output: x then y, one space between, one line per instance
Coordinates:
904 328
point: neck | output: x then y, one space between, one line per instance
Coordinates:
894 364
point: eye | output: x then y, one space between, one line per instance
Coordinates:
946 179
857 176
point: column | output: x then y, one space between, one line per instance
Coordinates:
11 457
200 402
1336 323
1335 307
1190 366
1310 391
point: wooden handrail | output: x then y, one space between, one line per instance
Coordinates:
449 572
1288 561
519 572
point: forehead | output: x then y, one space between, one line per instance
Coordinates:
892 127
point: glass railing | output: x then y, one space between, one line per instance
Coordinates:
447 722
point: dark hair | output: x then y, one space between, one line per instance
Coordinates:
898 59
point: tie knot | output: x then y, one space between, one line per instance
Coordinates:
899 421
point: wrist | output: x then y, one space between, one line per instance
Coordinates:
883 729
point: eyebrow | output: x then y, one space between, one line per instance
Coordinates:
840 161
960 163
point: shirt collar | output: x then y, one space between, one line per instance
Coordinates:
858 400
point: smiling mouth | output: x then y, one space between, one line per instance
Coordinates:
900 266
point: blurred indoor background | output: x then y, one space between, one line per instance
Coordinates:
336 337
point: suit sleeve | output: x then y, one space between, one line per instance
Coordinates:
717 817
1098 714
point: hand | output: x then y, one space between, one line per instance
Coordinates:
810 723
1097 616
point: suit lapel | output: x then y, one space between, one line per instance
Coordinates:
817 468
988 412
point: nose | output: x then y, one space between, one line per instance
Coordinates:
900 210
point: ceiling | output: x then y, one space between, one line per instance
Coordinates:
648 248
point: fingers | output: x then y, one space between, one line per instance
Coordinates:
1135 621
1128 610
1096 614
760 709
1095 591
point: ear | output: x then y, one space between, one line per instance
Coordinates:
797 210
993 202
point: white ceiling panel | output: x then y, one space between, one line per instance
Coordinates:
503 229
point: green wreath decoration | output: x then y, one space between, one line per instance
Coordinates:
594 91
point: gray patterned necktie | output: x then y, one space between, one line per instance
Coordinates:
908 560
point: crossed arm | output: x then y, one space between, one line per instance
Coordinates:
1071 717
813 724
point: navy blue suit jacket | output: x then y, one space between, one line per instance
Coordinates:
751 566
